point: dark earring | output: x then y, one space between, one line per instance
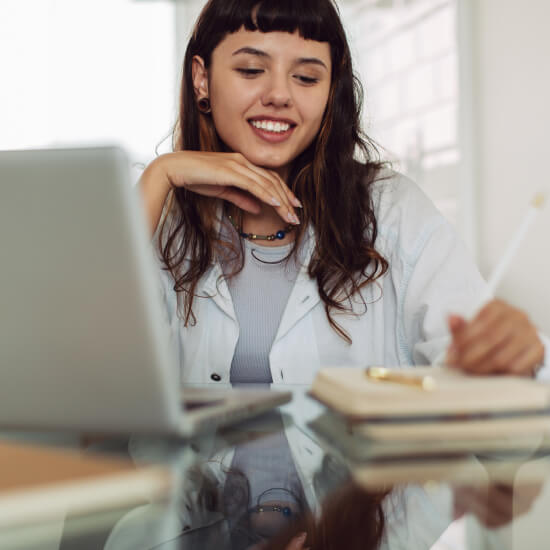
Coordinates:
204 105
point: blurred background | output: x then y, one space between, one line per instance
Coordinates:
456 95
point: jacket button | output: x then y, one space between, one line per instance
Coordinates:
215 377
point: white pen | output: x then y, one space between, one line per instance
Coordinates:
504 264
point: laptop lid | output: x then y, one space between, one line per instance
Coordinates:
83 340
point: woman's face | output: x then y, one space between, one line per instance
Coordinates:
268 93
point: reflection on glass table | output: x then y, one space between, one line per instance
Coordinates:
281 481
265 482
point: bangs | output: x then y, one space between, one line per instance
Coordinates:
311 18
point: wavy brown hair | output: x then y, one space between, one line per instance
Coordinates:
332 185
351 519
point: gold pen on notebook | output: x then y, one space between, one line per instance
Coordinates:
382 374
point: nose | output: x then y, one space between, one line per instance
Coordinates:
277 92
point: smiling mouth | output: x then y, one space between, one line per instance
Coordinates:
272 126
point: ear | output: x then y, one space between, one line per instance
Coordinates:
200 77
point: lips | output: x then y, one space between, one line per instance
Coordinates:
270 125
272 118
273 130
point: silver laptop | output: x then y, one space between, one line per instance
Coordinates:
83 340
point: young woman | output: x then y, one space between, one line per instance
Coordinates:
285 245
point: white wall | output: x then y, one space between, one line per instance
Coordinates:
512 91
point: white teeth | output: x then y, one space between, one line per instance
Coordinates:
270 125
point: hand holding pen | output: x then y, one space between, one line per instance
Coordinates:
498 338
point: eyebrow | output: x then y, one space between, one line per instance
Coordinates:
299 61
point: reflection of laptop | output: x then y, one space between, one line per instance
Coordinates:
83 340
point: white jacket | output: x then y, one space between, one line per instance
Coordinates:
431 275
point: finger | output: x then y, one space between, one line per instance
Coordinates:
514 500
270 174
292 197
271 178
525 363
487 316
456 324
252 179
503 357
500 503
278 181
492 508
241 199
519 348
492 347
254 184
228 180
288 198
279 199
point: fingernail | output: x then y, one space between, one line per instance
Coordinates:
293 218
297 203
275 202
302 537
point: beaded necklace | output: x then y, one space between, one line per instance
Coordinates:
253 237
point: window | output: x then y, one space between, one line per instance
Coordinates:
87 72
407 53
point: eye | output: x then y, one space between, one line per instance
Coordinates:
306 79
249 73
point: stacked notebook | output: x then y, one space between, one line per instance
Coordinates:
433 423
432 402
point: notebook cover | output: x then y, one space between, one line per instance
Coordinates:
350 392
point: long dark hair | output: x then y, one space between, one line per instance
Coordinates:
351 518
332 185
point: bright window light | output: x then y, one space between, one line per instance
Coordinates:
87 72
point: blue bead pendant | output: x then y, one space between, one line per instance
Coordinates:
280 234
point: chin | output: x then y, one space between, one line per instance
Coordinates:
272 166
267 161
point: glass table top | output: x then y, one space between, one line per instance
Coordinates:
297 472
